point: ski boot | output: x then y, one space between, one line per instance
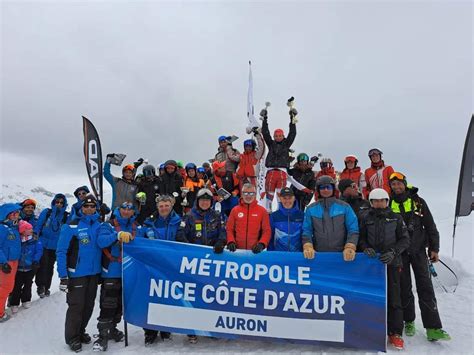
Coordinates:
116 334
40 291
410 329
165 336
150 337
193 339
4 318
14 309
85 338
75 346
101 343
27 304
397 341
47 293
437 334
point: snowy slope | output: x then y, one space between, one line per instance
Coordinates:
40 329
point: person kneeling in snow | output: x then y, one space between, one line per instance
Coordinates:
120 229
31 251
383 231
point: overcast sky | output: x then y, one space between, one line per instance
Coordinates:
163 80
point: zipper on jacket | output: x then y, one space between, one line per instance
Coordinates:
247 227
289 244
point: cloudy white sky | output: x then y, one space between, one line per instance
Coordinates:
163 80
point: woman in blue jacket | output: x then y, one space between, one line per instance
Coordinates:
286 224
121 226
79 267
47 229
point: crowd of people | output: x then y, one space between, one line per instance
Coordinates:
375 212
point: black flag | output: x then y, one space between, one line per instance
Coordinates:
93 157
465 200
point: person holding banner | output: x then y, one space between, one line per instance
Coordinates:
423 233
165 226
286 223
120 229
79 267
248 226
329 224
383 231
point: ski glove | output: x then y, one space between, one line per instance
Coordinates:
293 112
63 284
219 246
110 157
35 266
308 251
231 247
141 197
6 268
388 256
124 237
256 131
138 163
264 114
258 248
349 252
104 209
370 252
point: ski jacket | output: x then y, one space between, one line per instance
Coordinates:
10 243
31 251
160 228
287 227
122 190
202 227
230 155
194 185
249 160
383 230
358 204
151 187
228 182
278 152
329 224
78 253
248 225
170 183
418 219
50 222
378 178
355 175
110 245
305 178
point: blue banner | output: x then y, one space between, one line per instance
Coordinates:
184 288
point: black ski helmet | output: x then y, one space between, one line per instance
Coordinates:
190 166
148 170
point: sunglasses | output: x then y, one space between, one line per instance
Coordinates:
127 206
249 193
89 206
59 202
82 193
326 187
374 151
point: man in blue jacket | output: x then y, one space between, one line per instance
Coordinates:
79 267
329 224
48 229
10 250
164 225
121 226
286 224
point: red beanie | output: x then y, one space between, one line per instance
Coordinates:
279 130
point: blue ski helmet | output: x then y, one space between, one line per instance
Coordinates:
201 170
190 166
250 143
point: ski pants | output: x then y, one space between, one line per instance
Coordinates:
22 289
275 179
110 303
424 288
394 301
46 269
7 282
80 299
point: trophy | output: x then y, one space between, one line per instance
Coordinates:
267 105
184 194
293 113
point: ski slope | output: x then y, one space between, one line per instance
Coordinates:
40 329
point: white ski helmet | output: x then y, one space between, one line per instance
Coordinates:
378 194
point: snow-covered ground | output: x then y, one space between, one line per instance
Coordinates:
40 329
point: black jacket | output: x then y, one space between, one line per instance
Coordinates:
305 178
151 187
278 153
170 183
358 204
382 230
420 223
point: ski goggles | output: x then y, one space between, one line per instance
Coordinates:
164 198
87 205
326 187
130 167
29 202
374 151
397 176
127 206
204 193
325 164
249 193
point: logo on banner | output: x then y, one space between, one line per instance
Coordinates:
93 159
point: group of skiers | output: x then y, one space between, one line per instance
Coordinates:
376 212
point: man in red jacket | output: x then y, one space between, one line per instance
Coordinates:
248 226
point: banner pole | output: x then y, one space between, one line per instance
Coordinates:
454 234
